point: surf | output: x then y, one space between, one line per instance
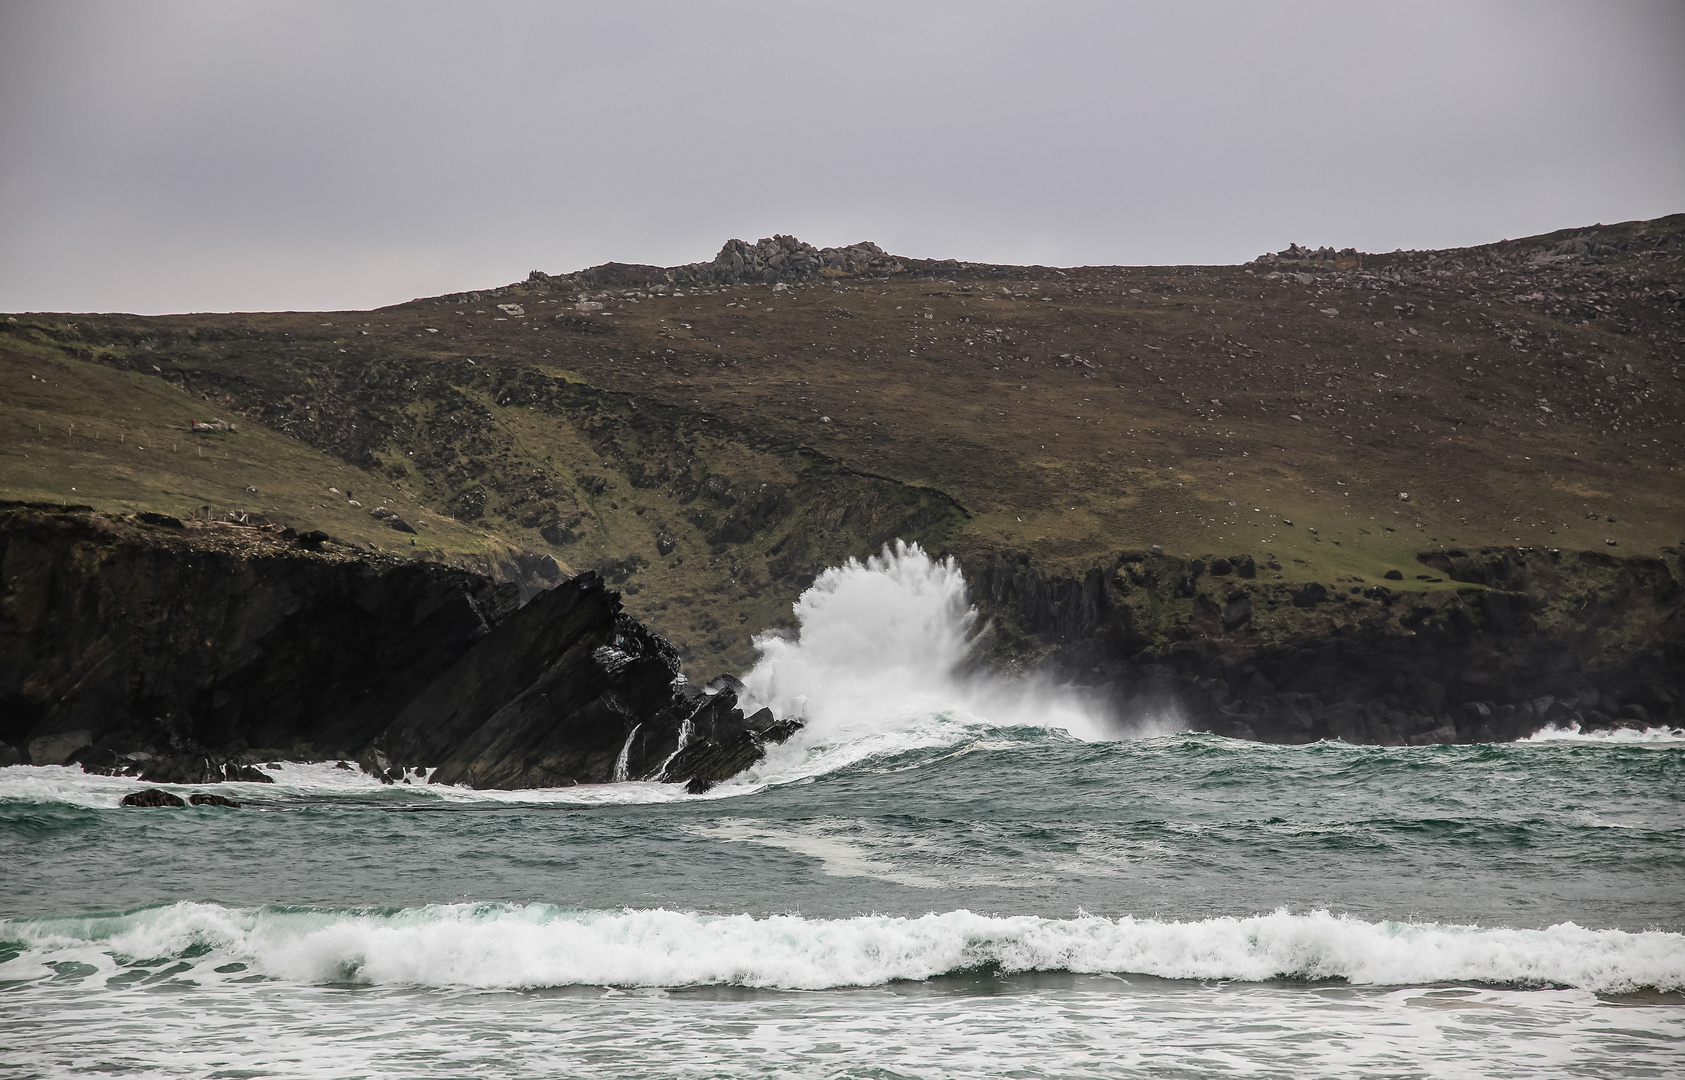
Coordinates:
514 946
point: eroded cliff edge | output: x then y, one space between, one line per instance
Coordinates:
186 652
189 652
1530 637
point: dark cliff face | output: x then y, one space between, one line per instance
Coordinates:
1533 636
128 644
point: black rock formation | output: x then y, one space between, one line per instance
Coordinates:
151 797
132 650
1532 637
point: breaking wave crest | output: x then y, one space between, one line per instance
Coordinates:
513 946
881 663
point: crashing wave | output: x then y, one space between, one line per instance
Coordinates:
515 946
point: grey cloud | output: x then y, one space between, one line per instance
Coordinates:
246 155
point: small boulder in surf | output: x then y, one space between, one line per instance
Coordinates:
152 797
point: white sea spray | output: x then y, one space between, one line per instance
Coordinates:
881 663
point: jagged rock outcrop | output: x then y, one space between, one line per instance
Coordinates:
771 259
1537 636
127 647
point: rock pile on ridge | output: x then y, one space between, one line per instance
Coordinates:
779 258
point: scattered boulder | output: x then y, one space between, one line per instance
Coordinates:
1221 567
1394 575
151 797
245 774
148 517
1310 595
392 519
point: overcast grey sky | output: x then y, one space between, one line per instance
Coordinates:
231 155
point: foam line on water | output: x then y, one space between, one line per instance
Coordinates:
303 783
1650 736
512 946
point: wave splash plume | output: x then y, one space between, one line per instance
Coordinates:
514 946
881 661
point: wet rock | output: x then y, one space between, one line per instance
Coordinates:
57 748
152 797
205 798
392 663
728 752
181 769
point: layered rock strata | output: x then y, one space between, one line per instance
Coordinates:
186 656
1530 638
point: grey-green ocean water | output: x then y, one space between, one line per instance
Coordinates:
943 899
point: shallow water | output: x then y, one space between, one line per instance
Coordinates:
956 885
1014 902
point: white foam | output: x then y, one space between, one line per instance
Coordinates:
878 666
496 945
296 782
1084 1026
1651 736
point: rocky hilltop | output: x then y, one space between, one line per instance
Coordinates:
781 259
190 652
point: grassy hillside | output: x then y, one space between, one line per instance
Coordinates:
711 448
83 433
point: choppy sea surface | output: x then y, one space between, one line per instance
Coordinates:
939 877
